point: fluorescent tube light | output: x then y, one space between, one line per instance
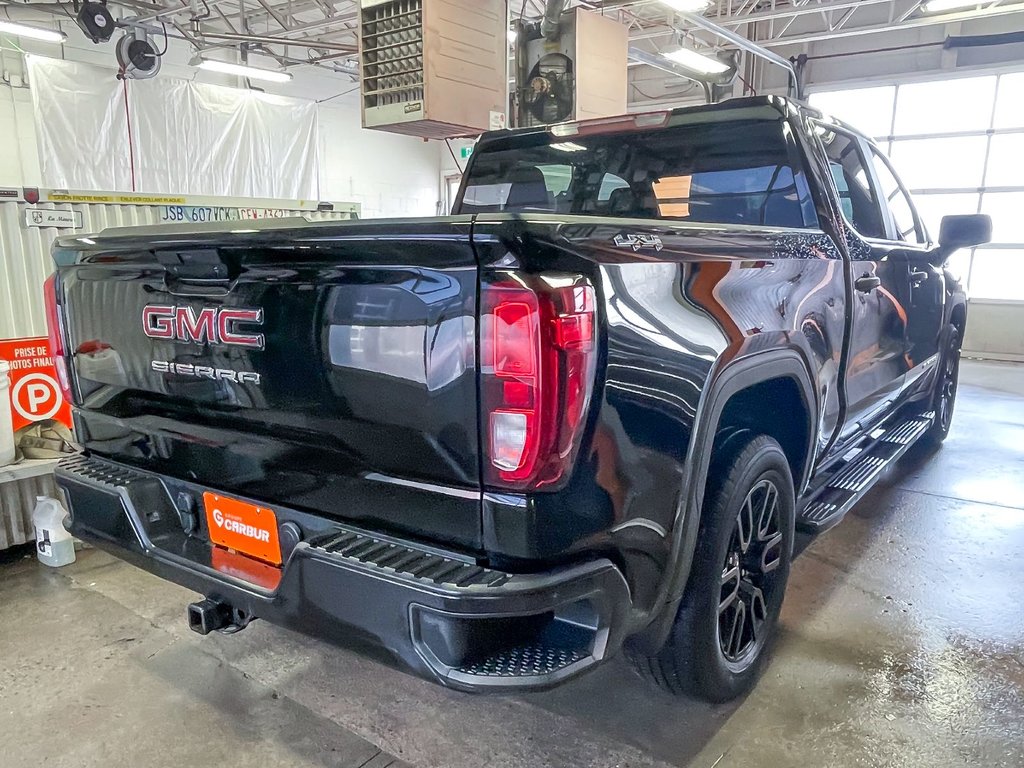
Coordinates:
936 6
688 6
697 62
34 33
568 146
243 70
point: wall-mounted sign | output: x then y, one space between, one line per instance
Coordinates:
113 197
45 217
35 394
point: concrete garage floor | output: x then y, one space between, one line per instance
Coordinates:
902 645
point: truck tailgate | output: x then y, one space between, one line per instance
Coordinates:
328 366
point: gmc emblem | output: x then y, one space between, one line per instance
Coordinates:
207 326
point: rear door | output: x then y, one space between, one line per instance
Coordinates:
876 365
923 285
330 368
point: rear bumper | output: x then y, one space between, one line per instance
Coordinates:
467 626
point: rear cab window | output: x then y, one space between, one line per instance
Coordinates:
706 168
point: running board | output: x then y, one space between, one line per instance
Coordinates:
855 478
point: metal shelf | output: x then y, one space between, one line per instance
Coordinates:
27 468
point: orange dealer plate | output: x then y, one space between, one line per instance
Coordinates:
242 527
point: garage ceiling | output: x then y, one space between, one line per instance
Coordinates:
322 33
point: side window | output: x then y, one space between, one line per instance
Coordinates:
609 183
856 195
900 207
523 187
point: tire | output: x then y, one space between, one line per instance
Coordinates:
946 382
703 656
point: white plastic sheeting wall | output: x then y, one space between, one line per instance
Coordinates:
167 134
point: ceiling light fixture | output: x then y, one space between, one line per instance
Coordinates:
937 6
687 6
697 62
33 33
568 146
244 70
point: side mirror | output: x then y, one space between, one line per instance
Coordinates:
964 231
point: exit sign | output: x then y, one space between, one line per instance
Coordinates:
466 152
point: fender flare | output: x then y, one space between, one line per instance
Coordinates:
734 377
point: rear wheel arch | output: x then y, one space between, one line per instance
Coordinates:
761 394
764 370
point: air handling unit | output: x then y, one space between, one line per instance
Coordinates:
570 65
433 68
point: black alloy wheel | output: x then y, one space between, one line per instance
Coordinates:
749 574
947 379
726 621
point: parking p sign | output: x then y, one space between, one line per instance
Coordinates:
35 393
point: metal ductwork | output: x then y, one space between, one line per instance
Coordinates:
551 22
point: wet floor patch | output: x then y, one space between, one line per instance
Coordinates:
901 644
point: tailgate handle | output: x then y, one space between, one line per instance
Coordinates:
199 272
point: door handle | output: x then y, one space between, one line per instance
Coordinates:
916 278
867 283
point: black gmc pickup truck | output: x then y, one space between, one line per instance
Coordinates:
586 413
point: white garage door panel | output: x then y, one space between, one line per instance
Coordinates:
980 144
995 331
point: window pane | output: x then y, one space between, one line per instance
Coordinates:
1010 101
556 177
869 110
856 196
1006 161
899 204
1007 220
998 275
944 106
728 171
609 184
940 163
932 208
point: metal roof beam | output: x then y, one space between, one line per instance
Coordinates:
912 23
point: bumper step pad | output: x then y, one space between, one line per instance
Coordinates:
524 661
853 479
436 568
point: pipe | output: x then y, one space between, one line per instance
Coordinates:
975 41
268 40
747 45
551 22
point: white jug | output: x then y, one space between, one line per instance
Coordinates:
6 423
54 545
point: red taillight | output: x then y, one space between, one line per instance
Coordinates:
538 355
56 333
